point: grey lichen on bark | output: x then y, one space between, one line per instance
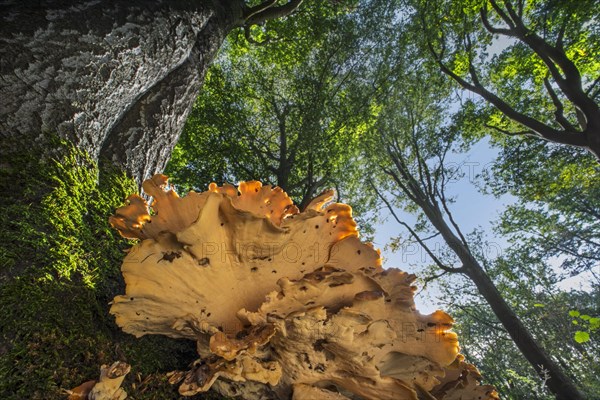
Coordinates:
115 78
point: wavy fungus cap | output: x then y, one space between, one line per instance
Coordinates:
280 302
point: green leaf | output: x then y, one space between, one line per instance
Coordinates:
585 317
539 305
575 322
581 337
574 313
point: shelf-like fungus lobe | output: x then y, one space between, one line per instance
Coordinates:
281 302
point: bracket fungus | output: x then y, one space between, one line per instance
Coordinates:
108 387
281 303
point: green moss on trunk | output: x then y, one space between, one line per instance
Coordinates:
59 268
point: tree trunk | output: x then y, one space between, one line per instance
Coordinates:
557 381
117 79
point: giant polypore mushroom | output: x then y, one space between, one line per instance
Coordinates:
280 302
108 387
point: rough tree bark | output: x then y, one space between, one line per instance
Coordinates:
117 79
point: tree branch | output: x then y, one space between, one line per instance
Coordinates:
424 174
570 84
442 197
400 183
559 112
252 11
267 10
414 234
309 194
543 130
589 92
262 157
502 14
483 321
428 279
483 13
561 34
509 133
